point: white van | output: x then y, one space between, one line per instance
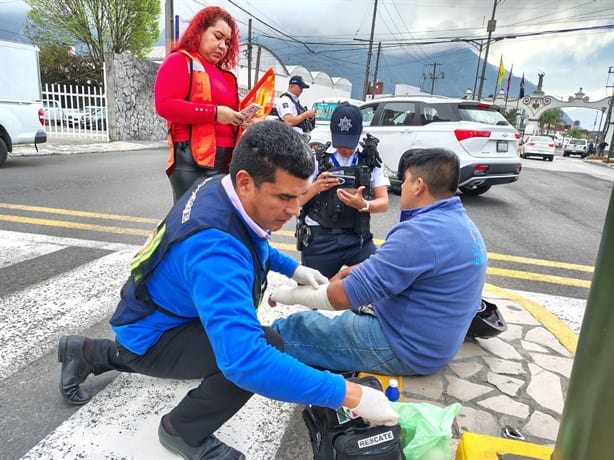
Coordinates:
21 109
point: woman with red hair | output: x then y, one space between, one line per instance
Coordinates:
197 94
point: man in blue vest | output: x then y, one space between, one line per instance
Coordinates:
188 309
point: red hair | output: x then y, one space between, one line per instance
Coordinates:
205 18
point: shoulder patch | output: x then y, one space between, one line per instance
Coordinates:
285 105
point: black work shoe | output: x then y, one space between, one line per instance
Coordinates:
75 369
211 449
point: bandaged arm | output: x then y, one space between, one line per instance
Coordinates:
327 297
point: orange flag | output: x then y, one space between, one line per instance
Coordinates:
263 94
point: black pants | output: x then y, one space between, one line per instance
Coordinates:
184 353
330 249
186 171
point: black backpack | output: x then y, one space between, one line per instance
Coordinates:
335 436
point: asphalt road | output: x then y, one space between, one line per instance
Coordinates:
542 232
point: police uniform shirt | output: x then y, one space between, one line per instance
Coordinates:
286 106
377 175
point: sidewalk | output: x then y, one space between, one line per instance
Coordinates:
67 147
518 378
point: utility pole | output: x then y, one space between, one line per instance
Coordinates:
490 28
366 85
374 86
249 54
433 76
169 21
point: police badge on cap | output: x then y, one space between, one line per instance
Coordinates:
346 126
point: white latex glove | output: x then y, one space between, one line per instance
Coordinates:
303 295
309 276
375 408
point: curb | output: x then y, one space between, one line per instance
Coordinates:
567 337
67 149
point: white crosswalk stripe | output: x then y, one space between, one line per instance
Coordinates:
121 420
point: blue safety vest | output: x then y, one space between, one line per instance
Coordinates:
204 206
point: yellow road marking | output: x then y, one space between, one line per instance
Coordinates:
80 226
550 321
282 246
538 277
68 212
544 263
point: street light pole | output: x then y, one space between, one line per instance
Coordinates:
169 21
490 28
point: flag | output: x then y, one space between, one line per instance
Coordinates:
263 93
521 92
501 72
509 81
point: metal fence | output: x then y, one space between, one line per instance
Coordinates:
75 112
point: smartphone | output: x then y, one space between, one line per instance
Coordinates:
346 181
251 109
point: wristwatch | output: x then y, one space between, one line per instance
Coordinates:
366 208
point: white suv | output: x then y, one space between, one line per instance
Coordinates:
576 147
485 143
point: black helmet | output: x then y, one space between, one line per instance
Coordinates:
488 322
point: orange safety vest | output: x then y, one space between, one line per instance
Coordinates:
202 135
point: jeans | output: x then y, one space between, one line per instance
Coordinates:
346 342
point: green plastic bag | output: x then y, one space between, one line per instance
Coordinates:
426 430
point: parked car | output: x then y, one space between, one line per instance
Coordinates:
538 146
52 112
76 120
576 147
96 120
485 143
21 111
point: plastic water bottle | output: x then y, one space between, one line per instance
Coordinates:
392 391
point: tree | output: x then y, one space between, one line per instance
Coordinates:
549 119
511 115
60 65
574 132
100 26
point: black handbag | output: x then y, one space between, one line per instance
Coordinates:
336 436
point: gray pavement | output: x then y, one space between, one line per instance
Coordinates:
74 146
517 379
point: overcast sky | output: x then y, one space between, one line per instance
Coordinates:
569 60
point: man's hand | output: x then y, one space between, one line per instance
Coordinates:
375 408
302 295
308 276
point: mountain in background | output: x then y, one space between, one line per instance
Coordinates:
455 71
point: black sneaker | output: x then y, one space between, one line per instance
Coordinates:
211 449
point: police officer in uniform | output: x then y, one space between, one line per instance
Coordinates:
290 110
348 186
